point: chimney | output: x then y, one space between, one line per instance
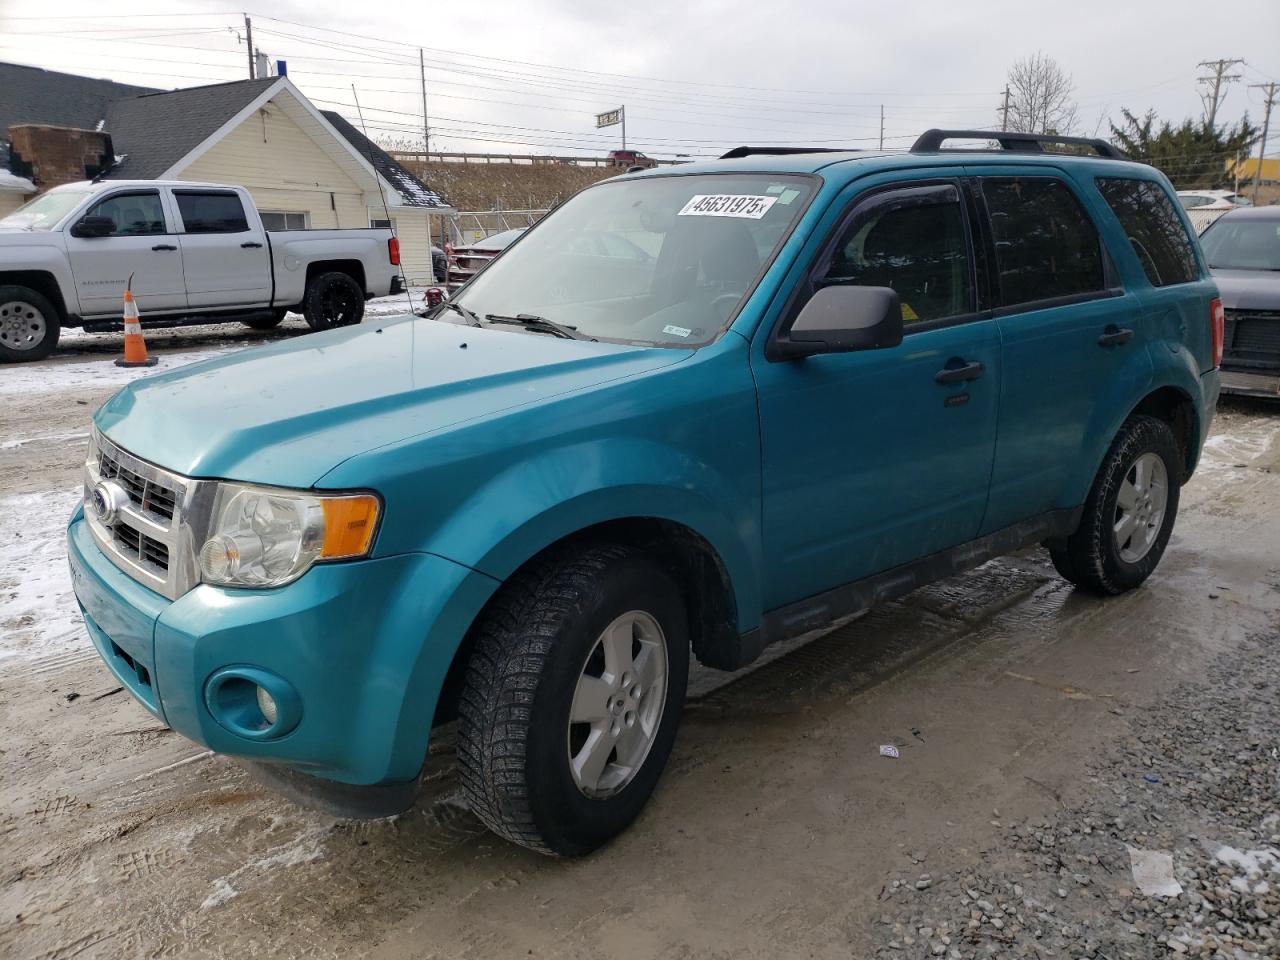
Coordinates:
51 156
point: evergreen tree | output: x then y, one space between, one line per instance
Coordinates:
1193 155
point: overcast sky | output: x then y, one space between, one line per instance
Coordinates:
528 75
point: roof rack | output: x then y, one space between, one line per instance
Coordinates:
738 152
932 140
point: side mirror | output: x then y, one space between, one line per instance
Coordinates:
90 227
841 319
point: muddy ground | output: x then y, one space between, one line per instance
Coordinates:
1042 733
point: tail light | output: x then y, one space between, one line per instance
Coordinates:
1218 323
393 251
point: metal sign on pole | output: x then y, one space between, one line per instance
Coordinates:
611 118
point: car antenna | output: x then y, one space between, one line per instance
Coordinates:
385 209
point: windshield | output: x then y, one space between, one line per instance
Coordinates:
45 211
653 260
1243 244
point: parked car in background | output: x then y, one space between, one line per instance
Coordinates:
806 383
192 251
466 261
631 158
439 264
1205 206
1243 251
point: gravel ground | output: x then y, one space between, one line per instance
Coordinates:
1196 776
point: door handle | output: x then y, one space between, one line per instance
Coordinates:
1114 336
961 373
164 246
251 243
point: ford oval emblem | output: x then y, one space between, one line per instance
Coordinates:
105 501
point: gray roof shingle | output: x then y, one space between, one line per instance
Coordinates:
414 192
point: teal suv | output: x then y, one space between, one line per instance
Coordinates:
692 412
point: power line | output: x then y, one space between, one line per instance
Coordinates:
1220 77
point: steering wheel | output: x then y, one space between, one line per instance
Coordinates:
730 299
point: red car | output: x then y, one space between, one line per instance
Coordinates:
631 158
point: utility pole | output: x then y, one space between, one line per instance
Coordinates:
426 128
624 126
1269 89
882 126
1220 77
248 38
1004 111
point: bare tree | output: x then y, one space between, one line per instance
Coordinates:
1041 96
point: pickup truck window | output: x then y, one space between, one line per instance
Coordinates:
655 260
1046 245
45 211
136 214
1154 229
211 212
912 240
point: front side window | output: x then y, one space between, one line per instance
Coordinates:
211 212
1154 229
654 260
1046 245
134 214
1243 243
912 240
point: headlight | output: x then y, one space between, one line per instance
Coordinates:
267 537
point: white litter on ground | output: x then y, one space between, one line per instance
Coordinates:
1153 872
889 750
38 612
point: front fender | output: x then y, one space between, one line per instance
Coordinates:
536 502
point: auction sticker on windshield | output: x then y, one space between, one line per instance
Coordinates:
727 205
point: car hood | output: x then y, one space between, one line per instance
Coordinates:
1248 289
289 412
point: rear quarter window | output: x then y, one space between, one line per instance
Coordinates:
1154 229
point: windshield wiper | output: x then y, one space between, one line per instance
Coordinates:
466 314
541 324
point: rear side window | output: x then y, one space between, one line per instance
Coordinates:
211 212
1154 228
1046 245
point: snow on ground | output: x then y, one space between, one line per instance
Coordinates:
91 374
38 612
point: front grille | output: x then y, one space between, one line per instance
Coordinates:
150 535
1251 338
146 494
141 547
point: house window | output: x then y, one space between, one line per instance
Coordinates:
382 223
277 220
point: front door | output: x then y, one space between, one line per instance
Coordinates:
227 261
143 246
875 458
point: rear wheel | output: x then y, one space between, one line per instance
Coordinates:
1129 514
333 300
29 325
572 698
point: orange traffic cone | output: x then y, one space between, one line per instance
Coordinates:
135 348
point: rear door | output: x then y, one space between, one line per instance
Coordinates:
143 245
869 460
1068 330
224 250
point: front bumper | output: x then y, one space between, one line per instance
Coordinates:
365 645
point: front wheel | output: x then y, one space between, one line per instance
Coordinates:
29 325
1129 514
333 300
572 698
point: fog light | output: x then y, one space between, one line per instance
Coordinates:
268 706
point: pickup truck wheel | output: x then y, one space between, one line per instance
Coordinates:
266 323
332 300
29 325
572 698
1129 514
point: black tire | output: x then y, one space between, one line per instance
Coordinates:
332 300
1091 557
29 325
531 644
266 323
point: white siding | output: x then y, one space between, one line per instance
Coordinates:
10 202
414 232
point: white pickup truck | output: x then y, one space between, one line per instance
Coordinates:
196 252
